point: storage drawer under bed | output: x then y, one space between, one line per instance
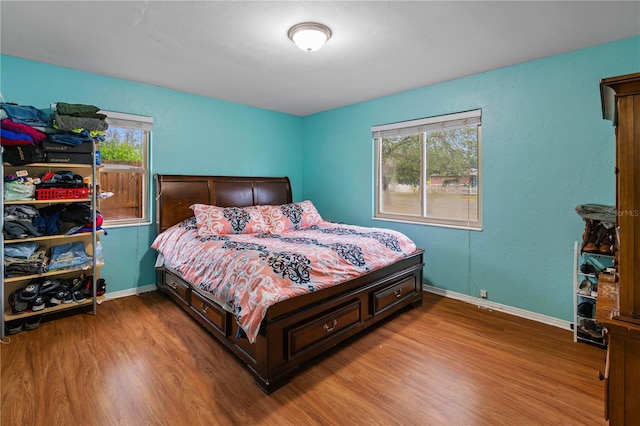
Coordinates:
210 311
306 335
177 289
393 294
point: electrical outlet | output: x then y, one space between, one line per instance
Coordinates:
483 294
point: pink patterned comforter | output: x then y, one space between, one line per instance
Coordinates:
250 272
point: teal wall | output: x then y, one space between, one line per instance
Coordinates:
191 135
546 149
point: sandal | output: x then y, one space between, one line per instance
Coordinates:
29 293
17 306
48 286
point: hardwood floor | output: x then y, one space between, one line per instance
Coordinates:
143 361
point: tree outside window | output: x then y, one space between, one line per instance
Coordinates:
428 170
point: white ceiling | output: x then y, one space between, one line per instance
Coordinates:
239 51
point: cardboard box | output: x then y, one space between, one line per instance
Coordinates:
69 158
84 147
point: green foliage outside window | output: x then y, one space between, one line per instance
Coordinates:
401 160
122 145
449 153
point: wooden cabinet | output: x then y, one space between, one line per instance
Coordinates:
621 316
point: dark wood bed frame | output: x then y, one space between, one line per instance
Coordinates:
296 330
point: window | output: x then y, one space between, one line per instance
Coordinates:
429 170
124 175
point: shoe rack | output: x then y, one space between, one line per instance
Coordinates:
10 319
587 267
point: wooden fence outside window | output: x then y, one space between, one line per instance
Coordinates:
126 186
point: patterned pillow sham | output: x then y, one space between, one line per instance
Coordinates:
286 217
212 220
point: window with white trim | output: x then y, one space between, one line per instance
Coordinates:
124 172
429 170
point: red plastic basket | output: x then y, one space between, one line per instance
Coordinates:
61 193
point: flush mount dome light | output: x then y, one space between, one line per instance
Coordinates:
309 36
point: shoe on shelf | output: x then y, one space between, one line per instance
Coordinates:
55 298
606 242
585 288
28 294
589 327
77 284
68 298
48 286
37 304
591 235
17 306
588 268
78 297
585 309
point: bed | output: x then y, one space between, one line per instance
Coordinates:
291 331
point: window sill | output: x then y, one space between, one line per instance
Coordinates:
126 225
439 225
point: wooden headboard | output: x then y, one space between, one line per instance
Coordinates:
175 193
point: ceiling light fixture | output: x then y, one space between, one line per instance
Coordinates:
309 36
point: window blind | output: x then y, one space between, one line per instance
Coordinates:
128 121
441 122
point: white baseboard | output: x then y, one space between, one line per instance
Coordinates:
487 304
482 303
130 292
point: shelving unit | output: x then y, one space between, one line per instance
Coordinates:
585 329
9 285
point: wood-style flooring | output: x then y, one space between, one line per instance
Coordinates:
143 361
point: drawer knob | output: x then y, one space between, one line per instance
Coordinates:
173 285
329 327
204 308
398 292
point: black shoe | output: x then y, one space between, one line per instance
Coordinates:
48 286
77 284
13 326
78 297
37 304
29 293
55 298
31 323
68 298
17 306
